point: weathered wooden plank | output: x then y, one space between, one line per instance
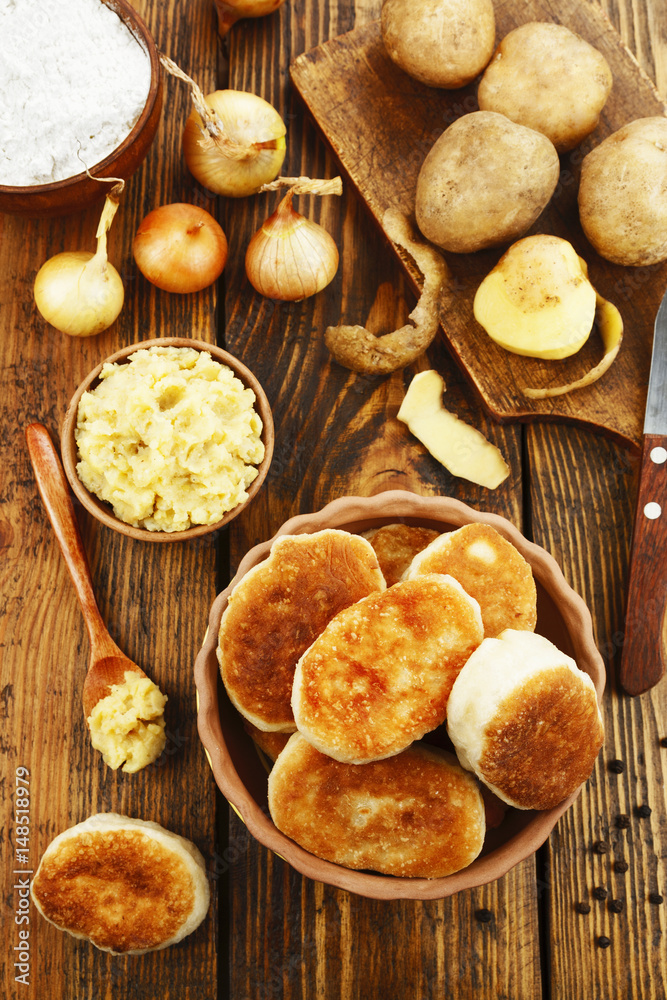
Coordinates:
583 493
147 594
582 500
336 434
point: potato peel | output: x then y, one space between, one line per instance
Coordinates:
610 324
461 448
358 349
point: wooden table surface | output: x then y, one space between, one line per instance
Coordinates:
271 933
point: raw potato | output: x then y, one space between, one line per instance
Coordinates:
610 324
548 78
537 301
442 43
623 194
484 182
462 449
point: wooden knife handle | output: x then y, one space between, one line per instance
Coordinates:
645 642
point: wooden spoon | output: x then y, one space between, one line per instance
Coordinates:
107 663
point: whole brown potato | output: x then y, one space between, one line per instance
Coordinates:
443 43
623 194
484 182
546 77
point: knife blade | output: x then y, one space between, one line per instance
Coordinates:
645 639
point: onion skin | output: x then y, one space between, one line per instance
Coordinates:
231 11
79 293
180 248
290 257
249 121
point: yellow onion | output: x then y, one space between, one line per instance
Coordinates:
231 11
78 292
241 149
290 257
180 248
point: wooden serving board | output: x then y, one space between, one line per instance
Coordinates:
381 124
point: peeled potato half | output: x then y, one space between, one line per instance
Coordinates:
537 301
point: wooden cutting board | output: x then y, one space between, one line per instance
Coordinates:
381 124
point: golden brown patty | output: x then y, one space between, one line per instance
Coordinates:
396 545
380 674
279 607
127 885
269 743
490 569
416 815
525 719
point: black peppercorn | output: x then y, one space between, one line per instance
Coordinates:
603 942
616 905
484 916
621 866
644 811
663 741
600 847
583 907
655 897
600 892
616 766
623 821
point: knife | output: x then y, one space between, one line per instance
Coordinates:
645 640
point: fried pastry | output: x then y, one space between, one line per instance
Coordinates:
396 545
490 569
417 815
279 607
127 885
269 743
525 719
379 675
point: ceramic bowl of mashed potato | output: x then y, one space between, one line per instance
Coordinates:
167 439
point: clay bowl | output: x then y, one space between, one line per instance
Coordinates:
78 192
103 511
241 774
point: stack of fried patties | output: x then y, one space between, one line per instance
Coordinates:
362 646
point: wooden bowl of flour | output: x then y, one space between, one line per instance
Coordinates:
80 191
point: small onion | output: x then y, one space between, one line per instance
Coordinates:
180 248
231 11
290 257
248 151
78 292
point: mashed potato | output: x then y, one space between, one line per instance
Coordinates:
127 726
169 439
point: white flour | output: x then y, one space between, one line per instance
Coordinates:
73 81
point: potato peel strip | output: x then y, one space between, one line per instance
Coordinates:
461 448
358 349
611 330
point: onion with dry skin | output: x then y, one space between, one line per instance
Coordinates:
358 349
233 141
291 257
180 248
231 11
78 292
